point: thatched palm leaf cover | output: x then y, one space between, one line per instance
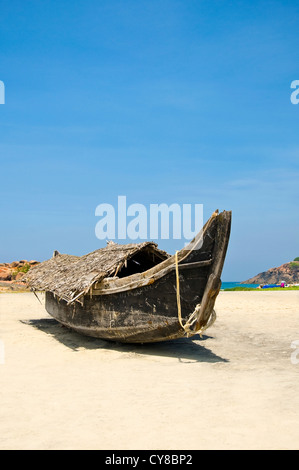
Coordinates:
69 277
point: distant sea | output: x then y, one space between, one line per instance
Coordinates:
230 285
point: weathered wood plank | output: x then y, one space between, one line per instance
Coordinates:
214 282
113 287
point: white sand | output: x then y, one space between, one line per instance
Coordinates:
235 389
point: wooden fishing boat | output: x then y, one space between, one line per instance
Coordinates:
137 293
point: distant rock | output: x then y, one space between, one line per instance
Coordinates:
288 272
15 270
15 286
19 276
5 274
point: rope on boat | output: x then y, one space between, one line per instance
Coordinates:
209 323
193 317
178 298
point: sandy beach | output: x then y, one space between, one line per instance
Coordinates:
236 388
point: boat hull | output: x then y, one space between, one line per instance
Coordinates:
151 312
146 314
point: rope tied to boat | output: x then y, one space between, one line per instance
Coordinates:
187 327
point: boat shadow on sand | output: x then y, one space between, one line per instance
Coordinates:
184 349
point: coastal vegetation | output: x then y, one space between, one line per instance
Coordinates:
295 264
21 269
287 272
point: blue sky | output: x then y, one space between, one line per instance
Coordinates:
161 101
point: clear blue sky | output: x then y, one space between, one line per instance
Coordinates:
161 101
